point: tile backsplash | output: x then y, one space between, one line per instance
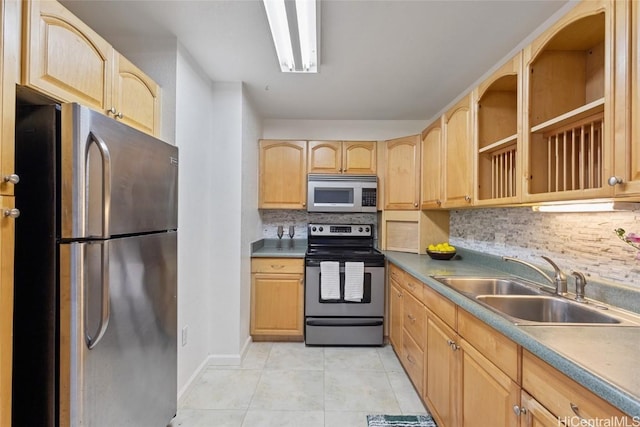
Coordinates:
584 242
271 219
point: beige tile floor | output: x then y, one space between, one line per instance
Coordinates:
288 384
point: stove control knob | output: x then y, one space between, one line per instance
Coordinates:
313 229
360 229
321 229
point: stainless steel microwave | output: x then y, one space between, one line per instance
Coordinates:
342 193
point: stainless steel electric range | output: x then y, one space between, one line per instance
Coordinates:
344 286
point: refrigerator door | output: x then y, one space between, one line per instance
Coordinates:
115 180
118 356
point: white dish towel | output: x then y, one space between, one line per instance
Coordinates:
329 280
353 281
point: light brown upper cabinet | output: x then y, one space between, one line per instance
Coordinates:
348 157
626 177
9 77
402 173
498 135
458 147
283 175
431 166
69 62
568 120
136 96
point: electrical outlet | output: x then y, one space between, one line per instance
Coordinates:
185 330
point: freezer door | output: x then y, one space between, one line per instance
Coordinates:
115 180
118 357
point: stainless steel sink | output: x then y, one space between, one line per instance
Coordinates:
528 303
541 309
473 286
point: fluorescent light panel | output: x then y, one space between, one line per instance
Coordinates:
587 207
306 34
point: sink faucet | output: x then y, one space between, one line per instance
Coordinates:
559 280
581 282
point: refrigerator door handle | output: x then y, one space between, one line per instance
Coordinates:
106 181
104 306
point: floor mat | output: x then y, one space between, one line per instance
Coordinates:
400 421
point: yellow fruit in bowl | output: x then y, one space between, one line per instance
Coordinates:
441 247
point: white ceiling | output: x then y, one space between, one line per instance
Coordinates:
379 59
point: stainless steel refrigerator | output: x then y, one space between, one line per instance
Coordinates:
95 340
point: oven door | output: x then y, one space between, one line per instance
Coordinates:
372 305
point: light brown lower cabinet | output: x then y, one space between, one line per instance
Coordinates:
474 376
569 402
442 372
533 414
277 299
396 296
487 394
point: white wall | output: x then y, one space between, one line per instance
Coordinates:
251 222
194 135
224 193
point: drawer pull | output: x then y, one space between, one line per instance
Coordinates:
410 359
413 319
277 266
576 411
453 345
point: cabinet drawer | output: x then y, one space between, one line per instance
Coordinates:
562 396
413 361
414 318
396 273
493 345
277 265
442 307
414 286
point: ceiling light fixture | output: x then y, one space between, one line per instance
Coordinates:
295 33
587 207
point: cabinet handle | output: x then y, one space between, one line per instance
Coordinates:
11 213
615 180
415 204
453 345
576 411
13 178
413 319
410 359
519 410
438 202
112 110
277 266
120 115
399 294
467 199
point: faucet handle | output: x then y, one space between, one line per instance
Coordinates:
581 282
559 273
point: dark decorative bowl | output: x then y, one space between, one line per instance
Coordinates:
441 255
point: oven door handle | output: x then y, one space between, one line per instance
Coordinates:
350 322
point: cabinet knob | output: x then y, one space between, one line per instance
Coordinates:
120 115
112 110
415 204
519 410
438 202
615 180
453 345
467 198
13 178
11 213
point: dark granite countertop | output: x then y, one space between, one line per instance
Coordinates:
279 248
604 359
